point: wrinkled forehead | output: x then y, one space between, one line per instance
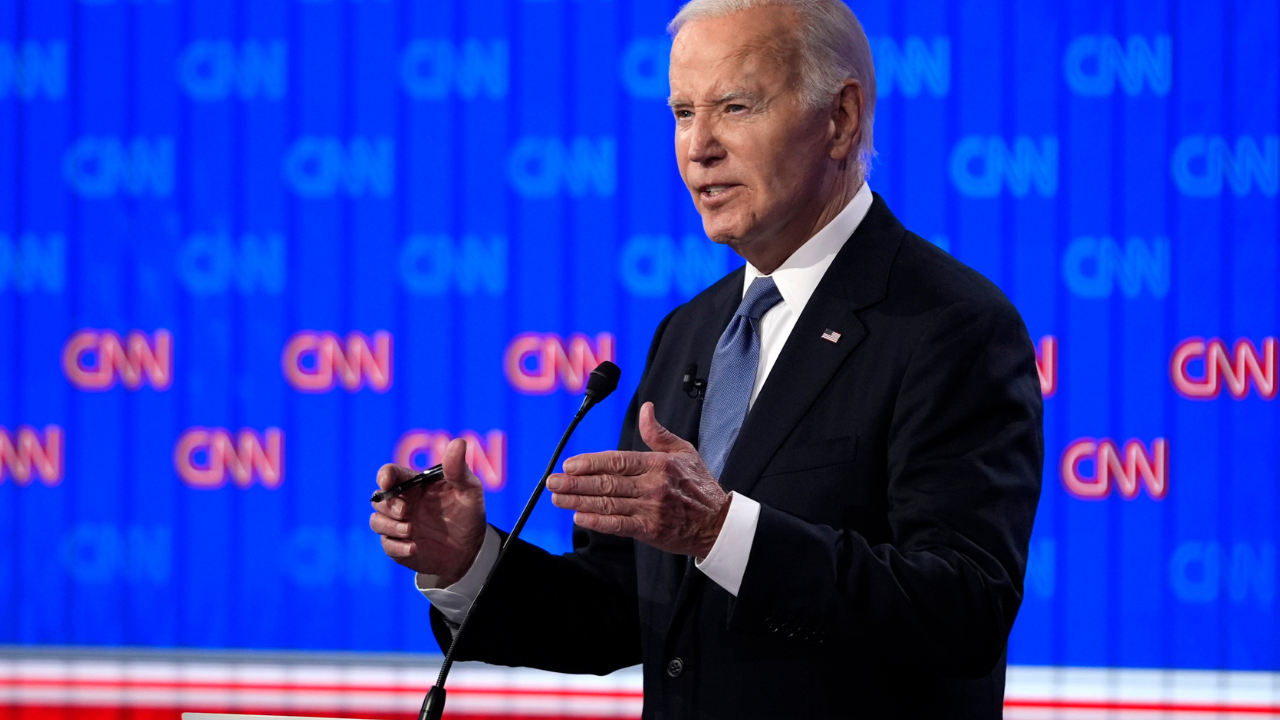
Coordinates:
739 50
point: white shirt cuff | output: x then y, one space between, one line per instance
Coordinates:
727 561
454 601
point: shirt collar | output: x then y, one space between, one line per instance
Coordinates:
799 276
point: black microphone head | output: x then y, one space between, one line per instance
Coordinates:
603 381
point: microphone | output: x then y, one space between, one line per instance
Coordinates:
600 384
693 386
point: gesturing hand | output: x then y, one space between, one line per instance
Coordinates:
666 498
436 529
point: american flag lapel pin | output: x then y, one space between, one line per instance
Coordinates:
831 336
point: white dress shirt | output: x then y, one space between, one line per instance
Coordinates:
726 563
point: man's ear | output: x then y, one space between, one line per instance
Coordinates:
846 120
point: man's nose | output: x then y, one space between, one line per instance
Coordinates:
704 146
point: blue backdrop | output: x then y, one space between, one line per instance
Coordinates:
250 250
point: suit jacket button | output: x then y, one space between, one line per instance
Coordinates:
675 668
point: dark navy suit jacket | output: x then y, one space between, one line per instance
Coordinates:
898 471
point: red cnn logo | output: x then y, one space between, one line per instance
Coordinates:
24 457
421 449
97 359
316 362
1235 369
206 458
1110 465
1047 365
535 363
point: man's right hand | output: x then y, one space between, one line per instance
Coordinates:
436 529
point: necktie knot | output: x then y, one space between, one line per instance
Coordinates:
760 297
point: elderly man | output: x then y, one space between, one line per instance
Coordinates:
839 528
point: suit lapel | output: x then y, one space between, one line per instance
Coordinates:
857 278
803 369
684 418
807 362
685 414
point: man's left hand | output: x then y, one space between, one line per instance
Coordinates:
666 498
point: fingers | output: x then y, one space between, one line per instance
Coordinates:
398 548
657 437
595 504
621 525
389 527
390 475
609 463
456 471
627 486
397 508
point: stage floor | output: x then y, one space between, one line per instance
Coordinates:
42 683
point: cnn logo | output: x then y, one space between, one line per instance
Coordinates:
317 362
99 359
539 363
24 456
1235 370
1113 467
487 456
207 458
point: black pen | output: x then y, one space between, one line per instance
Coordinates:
422 478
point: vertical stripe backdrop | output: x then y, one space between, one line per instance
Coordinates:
250 250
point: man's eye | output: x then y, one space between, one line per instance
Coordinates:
735 108
684 114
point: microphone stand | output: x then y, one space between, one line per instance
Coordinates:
602 382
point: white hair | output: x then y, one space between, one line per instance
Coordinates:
833 48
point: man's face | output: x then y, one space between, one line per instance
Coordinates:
752 155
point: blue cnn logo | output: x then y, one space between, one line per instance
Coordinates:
320 167
1093 63
1200 163
101 167
913 66
33 263
544 167
217 69
982 166
317 556
33 70
432 69
210 264
101 553
434 264
1200 571
645 62
1092 267
651 265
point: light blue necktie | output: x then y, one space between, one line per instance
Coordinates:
733 375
